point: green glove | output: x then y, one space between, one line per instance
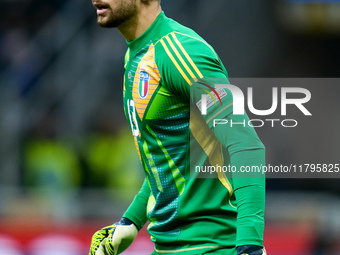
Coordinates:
113 239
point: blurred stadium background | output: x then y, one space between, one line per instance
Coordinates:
68 165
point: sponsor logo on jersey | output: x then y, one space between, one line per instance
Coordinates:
143 84
214 96
212 99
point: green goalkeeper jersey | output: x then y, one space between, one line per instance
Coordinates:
187 215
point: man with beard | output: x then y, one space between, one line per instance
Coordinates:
187 215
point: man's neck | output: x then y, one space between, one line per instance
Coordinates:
135 27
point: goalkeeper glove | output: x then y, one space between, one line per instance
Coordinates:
113 239
250 250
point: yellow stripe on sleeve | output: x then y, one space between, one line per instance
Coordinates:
180 57
187 55
175 62
211 146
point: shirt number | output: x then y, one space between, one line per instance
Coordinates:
132 117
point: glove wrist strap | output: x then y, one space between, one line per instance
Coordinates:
125 221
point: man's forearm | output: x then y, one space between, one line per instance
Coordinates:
250 196
137 209
246 150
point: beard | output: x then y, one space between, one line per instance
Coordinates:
125 10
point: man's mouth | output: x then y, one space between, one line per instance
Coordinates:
101 8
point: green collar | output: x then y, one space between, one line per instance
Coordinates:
147 36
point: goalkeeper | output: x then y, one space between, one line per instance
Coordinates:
188 215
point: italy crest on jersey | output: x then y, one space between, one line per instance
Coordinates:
143 84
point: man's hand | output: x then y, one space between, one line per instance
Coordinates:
113 239
251 250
